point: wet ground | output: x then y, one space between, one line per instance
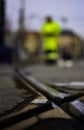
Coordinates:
10 96
57 74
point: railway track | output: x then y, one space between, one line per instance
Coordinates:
67 102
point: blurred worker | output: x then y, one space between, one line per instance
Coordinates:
50 31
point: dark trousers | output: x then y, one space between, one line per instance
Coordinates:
50 61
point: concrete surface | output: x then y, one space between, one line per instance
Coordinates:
10 96
57 74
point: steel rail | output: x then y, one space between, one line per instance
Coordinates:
59 99
68 102
50 92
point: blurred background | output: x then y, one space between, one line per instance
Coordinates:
20 23
21 48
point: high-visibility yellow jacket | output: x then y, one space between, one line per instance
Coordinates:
50 31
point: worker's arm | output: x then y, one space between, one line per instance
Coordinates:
57 29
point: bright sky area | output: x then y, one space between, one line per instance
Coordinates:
36 10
